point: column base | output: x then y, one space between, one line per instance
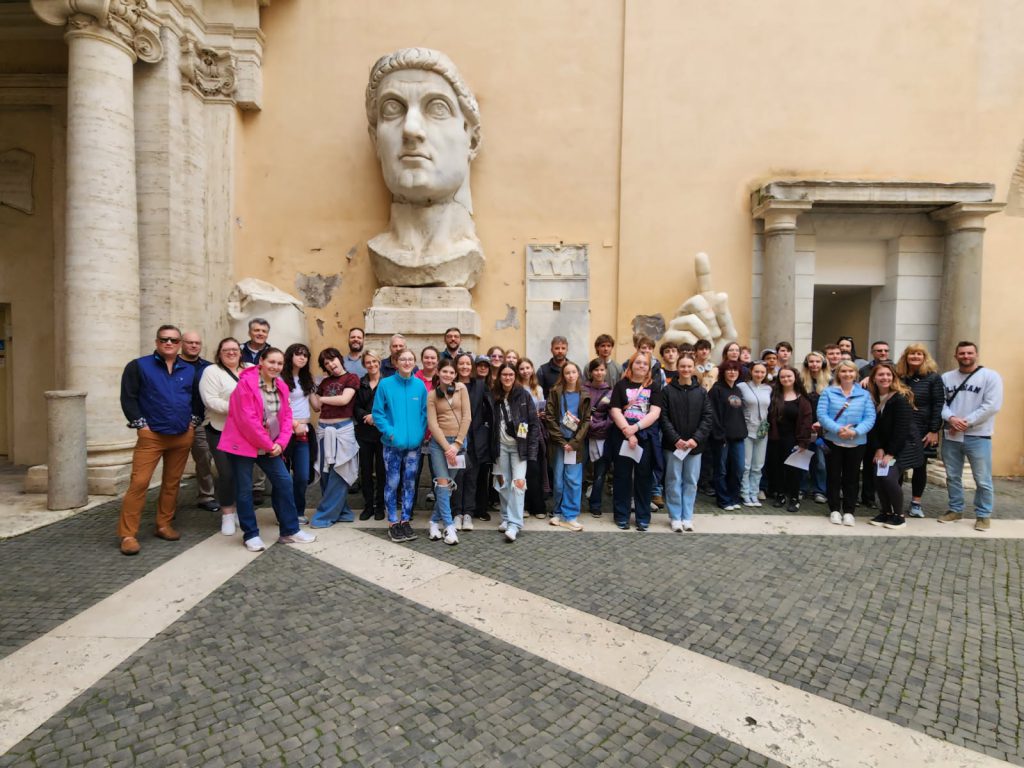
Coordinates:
422 315
102 481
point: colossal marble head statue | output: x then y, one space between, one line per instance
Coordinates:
425 126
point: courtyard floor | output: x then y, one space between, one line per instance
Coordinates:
763 639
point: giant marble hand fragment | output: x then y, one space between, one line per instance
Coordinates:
425 125
705 315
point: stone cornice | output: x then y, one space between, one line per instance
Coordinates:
966 216
780 215
124 22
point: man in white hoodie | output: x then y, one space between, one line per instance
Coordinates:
974 395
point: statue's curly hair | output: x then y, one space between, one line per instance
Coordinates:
432 61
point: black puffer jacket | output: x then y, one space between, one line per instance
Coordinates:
895 432
929 397
685 415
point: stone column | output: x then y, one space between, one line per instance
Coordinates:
67 480
102 258
778 282
960 302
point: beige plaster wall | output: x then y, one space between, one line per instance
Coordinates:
27 284
639 128
548 77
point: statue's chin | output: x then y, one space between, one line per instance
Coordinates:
418 186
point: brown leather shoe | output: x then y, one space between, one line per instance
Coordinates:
167 533
129 545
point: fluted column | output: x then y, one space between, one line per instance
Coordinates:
102 256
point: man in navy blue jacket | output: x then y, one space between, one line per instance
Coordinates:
160 399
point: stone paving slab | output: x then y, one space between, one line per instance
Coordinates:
925 633
53 573
296 663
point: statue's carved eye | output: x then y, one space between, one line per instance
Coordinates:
391 108
439 108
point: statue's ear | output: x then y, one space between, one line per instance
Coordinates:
474 140
372 130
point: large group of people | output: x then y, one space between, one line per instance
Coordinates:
839 430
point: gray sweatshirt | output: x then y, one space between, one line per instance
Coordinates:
756 399
978 402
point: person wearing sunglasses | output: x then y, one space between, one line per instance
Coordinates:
160 398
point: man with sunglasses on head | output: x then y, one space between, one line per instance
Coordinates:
160 399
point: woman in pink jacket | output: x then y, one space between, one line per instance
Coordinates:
257 430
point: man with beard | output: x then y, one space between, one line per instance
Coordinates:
353 361
548 373
452 344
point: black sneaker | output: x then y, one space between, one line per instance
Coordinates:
379 515
881 519
895 521
366 514
410 534
792 507
780 501
396 533
485 516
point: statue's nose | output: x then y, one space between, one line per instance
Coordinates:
413 125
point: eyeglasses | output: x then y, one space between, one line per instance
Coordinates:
168 340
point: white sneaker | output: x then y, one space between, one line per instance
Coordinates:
510 535
555 520
503 527
228 524
835 518
761 496
255 544
572 525
435 531
302 537
677 526
688 526
750 503
847 519
467 523
758 503
450 536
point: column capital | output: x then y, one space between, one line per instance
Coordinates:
209 72
966 216
126 23
780 215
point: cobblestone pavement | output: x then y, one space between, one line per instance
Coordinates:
296 663
926 633
53 573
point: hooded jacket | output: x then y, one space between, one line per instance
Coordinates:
244 433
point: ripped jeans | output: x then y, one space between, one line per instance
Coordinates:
442 492
509 472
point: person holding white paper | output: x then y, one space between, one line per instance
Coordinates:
515 435
846 414
893 441
686 422
635 409
567 418
600 392
789 427
448 418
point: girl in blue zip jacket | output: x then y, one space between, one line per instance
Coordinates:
400 414
846 413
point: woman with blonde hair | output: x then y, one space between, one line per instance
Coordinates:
816 377
920 373
893 442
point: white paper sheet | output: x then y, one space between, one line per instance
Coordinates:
460 462
681 453
881 469
800 458
633 453
569 457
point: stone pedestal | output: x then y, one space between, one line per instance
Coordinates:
422 315
68 485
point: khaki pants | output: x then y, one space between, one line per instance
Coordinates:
204 465
149 449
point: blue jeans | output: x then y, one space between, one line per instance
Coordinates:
400 466
978 451
509 468
727 474
281 498
333 506
568 487
681 477
442 493
300 473
754 450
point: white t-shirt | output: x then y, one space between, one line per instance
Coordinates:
298 401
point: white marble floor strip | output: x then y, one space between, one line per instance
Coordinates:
767 525
794 727
39 679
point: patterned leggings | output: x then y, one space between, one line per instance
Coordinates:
400 466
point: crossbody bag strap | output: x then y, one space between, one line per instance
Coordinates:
959 389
